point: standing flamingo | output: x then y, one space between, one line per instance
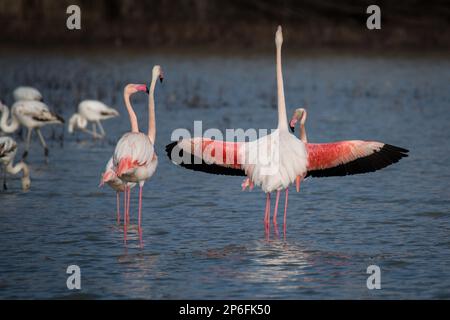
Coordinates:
8 149
271 162
27 93
30 114
287 156
110 178
135 159
91 111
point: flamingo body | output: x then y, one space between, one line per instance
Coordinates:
8 150
135 158
27 93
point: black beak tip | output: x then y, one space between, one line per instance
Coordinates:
147 90
292 129
161 79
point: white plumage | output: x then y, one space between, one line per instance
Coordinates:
135 151
274 161
91 111
27 93
8 150
30 114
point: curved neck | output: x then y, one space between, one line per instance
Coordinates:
4 126
21 166
133 118
303 129
151 112
282 117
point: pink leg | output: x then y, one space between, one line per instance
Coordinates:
267 212
118 207
275 211
285 210
125 215
140 215
128 204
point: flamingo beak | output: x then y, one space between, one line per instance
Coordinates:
292 124
147 90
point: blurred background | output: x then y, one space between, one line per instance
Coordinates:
412 25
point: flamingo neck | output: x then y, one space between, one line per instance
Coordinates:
303 133
133 118
303 136
21 166
282 117
151 112
14 124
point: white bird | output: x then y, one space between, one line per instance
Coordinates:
32 115
135 159
91 111
110 178
272 162
277 160
27 93
8 149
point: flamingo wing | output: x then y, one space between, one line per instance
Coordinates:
37 111
207 155
7 146
350 157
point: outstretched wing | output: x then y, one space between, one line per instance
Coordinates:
207 155
351 157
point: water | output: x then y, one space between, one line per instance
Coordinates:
204 238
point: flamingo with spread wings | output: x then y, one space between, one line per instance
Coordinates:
289 158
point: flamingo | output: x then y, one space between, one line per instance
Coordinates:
288 157
27 93
271 162
110 178
135 159
8 149
91 111
31 114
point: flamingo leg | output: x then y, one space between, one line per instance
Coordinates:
140 215
118 207
128 204
125 216
44 145
27 144
94 130
285 210
267 212
275 211
102 131
4 179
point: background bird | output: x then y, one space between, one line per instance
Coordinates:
91 111
31 114
8 149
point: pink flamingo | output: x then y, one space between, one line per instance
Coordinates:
110 178
291 158
134 159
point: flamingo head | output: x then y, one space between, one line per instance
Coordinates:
26 183
107 176
133 88
157 72
299 114
279 37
